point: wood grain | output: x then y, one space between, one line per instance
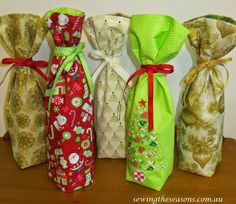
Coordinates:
33 186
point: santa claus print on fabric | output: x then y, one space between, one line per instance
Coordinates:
69 102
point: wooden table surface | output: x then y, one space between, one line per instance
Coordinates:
33 185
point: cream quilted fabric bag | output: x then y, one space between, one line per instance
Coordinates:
108 35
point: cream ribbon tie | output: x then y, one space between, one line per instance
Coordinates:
113 61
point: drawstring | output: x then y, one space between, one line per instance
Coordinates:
25 62
150 70
190 77
70 53
113 61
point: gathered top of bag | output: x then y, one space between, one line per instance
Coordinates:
22 34
156 38
65 25
108 33
211 36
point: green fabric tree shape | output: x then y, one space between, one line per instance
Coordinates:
155 39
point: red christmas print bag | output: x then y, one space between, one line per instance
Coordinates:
69 104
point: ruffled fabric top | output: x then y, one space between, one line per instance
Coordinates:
156 38
65 26
108 33
212 36
22 34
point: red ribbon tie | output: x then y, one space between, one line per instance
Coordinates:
36 65
150 70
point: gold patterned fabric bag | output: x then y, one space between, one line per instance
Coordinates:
22 35
108 35
200 117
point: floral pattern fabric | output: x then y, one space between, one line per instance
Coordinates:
108 35
22 35
200 118
70 112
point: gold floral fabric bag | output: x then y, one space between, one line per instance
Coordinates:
108 35
200 117
21 35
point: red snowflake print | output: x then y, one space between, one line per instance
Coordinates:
57 100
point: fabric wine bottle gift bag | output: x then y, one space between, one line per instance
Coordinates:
22 35
108 35
155 39
201 108
69 103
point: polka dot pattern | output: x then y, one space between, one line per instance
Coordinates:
155 39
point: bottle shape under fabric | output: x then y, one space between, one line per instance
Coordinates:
69 102
154 39
201 108
22 35
108 35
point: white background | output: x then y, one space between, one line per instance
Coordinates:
182 10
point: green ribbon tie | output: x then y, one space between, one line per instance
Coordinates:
70 53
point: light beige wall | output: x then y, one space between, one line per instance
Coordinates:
180 9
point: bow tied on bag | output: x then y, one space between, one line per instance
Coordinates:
22 35
155 39
70 53
190 77
108 36
150 70
200 114
36 65
113 61
69 104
